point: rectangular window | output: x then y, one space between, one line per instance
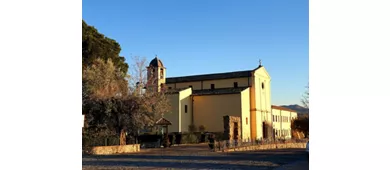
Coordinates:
247 121
212 86
185 108
169 87
235 84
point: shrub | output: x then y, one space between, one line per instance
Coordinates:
189 138
202 128
192 128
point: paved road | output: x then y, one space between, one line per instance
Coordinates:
199 157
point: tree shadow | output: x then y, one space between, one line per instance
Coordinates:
279 156
180 165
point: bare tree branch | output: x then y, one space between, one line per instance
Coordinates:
305 98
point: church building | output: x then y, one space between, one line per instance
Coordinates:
205 100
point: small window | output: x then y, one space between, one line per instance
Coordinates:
161 73
247 121
262 85
212 86
235 84
185 108
169 87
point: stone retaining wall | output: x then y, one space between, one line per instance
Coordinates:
107 150
267 147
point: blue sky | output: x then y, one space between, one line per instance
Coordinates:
212 36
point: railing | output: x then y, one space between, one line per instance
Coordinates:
231 144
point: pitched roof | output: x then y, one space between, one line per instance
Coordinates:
218 91
282 108
163 121
175 91
156 63
215 76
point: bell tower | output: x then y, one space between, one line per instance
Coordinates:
156 74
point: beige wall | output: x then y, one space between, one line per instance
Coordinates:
210 109
226 83
245 114
186 118
282 123
222 83
195 85
174 116
180 120
260 102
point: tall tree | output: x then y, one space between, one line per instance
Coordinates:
96 45
301 124
102 80
105 97
153 104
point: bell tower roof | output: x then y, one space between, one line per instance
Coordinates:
156 63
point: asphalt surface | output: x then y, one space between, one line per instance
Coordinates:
199 157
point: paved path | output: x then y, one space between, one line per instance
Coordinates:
199 157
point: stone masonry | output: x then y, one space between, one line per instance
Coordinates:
228 123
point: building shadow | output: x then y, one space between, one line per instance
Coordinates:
279 157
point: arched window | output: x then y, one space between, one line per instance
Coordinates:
161 73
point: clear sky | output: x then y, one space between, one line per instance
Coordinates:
212 36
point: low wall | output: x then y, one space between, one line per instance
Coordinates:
267 147
107 150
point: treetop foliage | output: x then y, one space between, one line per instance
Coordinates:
96 45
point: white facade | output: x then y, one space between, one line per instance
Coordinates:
281 121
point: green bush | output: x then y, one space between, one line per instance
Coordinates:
189 138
